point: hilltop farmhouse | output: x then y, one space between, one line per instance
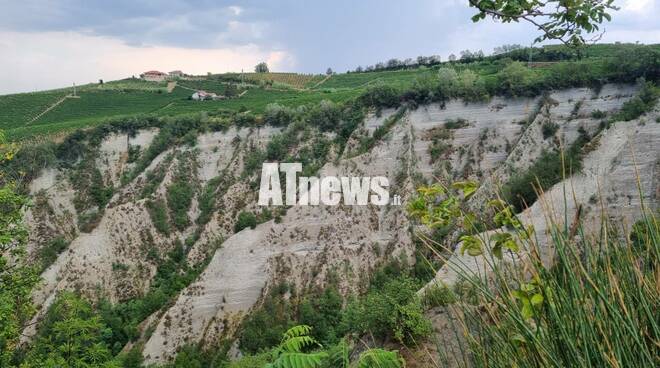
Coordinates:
153 76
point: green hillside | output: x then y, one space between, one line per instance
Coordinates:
96 103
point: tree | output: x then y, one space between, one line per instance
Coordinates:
71 335
379 95
452 57
329 71
471 85
393 63
326 115
466 55
514 78
561 20
505 49
262 67
447 82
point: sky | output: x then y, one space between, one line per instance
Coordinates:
49 44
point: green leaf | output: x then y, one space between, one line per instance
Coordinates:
527 310
468 187
497 251
537 299
511 245
379 358
471 245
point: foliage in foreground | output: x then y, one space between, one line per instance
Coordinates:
298 349
595 306
17 277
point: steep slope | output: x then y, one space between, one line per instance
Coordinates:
117 257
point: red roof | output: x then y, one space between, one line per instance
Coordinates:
154 72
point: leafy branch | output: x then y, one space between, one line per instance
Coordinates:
562 20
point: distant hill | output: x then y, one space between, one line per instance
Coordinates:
133 97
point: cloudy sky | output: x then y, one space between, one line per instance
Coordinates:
54 43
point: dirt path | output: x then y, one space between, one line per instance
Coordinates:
320 82
188 88
57 103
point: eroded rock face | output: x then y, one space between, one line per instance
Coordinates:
483 141
620 178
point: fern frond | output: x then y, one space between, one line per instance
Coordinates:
379 358
300 360
297 343
300 330
338 356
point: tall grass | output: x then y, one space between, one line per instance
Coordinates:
598 306
594 305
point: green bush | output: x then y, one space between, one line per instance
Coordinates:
207 200
27 164
438 296
323 311
173 274
326 116
158 214
380 96
245 220
253 161
456 123
179 198
642 103
515 78
50 251
133 154
277 115
277 148
394 310
263 328
547 170
598 114
549 129
438 149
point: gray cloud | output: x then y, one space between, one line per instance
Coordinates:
310 35
191 24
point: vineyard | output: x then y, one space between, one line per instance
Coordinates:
17 110
208 85
130 97
129 84
398 78
97 105
295 80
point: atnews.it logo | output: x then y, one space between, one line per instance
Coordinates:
327 190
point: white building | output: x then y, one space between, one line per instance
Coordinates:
153 76
203 95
